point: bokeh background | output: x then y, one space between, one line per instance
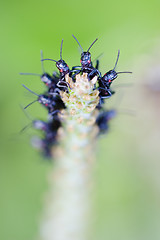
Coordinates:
127 192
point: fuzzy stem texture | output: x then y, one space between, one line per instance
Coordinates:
68 201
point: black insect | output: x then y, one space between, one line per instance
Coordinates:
49 81
52 103
103 120
43 145
49 135
61 64
51 126
106 81
86 63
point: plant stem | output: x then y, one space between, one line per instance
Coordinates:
68 205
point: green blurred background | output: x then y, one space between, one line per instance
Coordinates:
127 194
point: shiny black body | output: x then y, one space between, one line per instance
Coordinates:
53 104
61 65
86 63
103 120
108 77
106 81
47 127
63 68
50 81
49 138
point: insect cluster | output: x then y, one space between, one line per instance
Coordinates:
57 86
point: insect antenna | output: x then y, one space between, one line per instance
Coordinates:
30 104
116 60
42 65
97 58
26 113
61 49
48 59
54 112
30 90
92 44
123 72
28 116
59 84
24 128
78 42
34 74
